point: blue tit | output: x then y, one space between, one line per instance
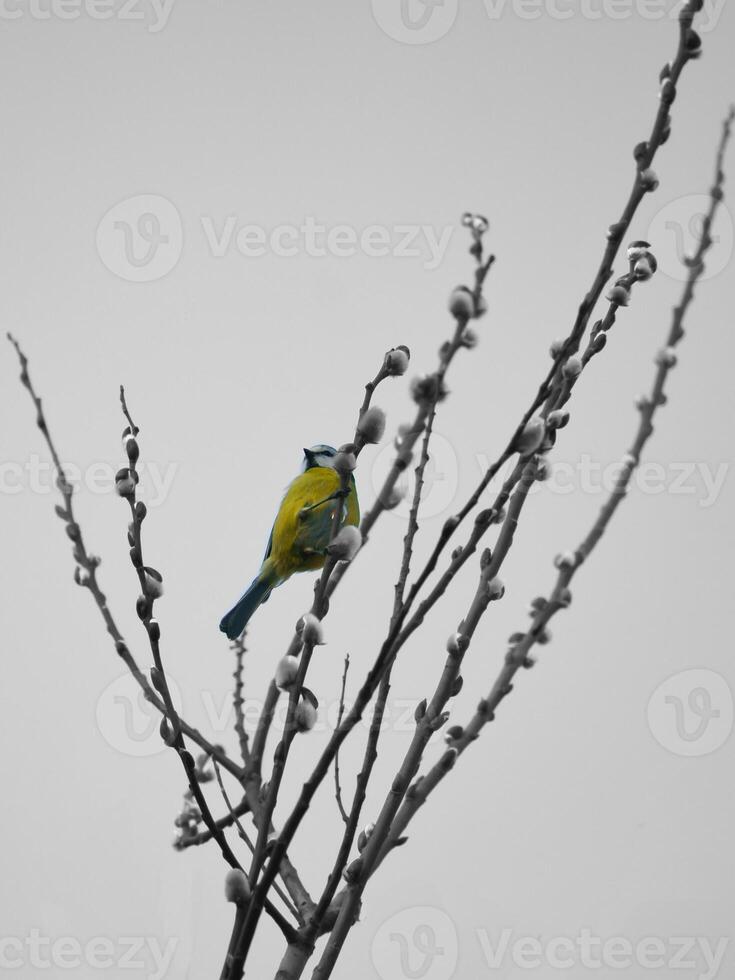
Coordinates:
301 532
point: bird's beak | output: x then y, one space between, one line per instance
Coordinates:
308 455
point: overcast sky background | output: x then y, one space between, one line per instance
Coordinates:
569 813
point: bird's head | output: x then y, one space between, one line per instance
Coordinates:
319 455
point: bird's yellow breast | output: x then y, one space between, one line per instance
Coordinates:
300 534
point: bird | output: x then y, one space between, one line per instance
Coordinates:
301 532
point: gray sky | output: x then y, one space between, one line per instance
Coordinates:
291 156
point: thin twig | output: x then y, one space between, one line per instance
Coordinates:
645 155
234 964
238 646
87 578
429 718
518 655
245 837
340 713
126 484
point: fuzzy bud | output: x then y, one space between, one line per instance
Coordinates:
427 389
469 338
396 360
453 733
495 589
312 632
394 498
666 357
645 267
462 303
372 424
306 714
668 91
693 41
457 644
153 583
237 887
286 671
564 599
124 483
166 732
347 543
531 437
130 444
158 680
557 419
364 837
477 223
649 180
566 559
344 462
556 347
637 250
572 367
618 295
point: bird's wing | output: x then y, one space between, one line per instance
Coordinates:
269 546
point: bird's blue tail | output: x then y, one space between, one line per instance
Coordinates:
235 621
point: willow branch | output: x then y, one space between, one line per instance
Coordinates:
689 48
86 574
238 647
519 654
